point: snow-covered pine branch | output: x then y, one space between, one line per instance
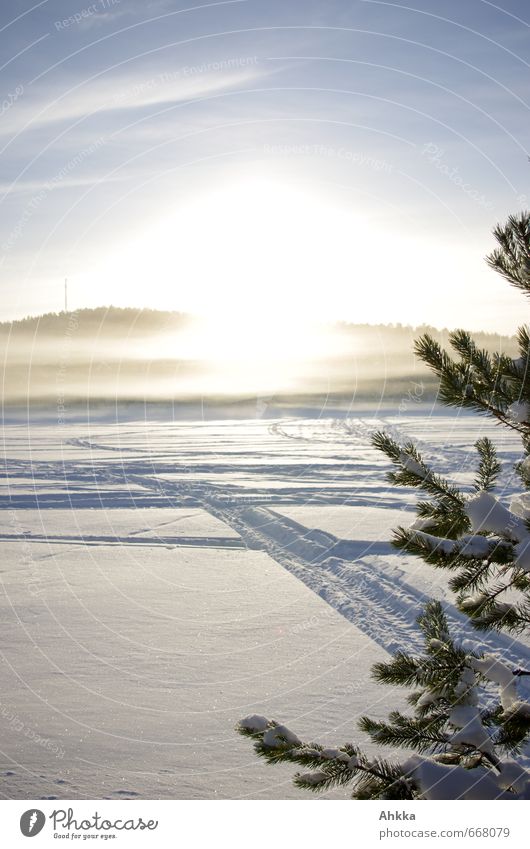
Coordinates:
485 543
464 735
489 565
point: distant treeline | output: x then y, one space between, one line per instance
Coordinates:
105 321
127 354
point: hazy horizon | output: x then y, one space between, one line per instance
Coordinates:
154 311
128 354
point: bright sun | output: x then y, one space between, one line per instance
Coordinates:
251 260
254 248
264 264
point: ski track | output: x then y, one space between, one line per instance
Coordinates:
384 608
351 577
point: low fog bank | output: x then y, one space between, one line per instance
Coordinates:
95 356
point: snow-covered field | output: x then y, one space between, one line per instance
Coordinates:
162 579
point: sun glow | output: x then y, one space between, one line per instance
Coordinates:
264 264
251 261
249 356
255 250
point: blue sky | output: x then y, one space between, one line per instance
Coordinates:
338 159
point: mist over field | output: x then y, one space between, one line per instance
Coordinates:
149 355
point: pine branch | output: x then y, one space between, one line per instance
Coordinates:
329 767
478 380
419 733
453 554
487 615
449 677
434 626
388 781
512 258
443 518
414 471
473 577
489 467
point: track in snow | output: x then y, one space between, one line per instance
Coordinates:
384 608
315 462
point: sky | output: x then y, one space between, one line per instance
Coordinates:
263 161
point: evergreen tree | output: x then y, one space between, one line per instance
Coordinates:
467 726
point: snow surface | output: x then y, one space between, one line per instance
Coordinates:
522 558
439 781
160 580
486 513
519 412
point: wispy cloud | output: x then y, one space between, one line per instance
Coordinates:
129 92
34 186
